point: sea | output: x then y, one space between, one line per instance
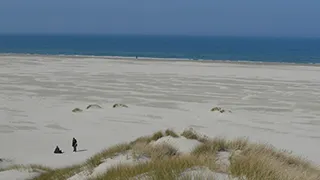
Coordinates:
250 49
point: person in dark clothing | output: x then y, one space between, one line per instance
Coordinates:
74 144
57 150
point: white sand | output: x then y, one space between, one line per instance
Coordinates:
278 104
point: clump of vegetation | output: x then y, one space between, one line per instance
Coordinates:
77 110
238 143
119 105
160 151
160 169
156 136
258 161
60 173
143 139
108 153
147 139
282 155
211 147
96 106
171 133
219 109
218 144
191 134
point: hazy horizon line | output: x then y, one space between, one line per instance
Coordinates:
150 34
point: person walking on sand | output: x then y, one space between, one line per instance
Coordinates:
74 144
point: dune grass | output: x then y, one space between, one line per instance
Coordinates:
215 145
191 134
147 139
108 153
263 162
156 136
61 173
248 161
154 152
169 169
259 161
171 133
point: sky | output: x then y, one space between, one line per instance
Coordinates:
167 17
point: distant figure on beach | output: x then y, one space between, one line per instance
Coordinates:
57 150
74 144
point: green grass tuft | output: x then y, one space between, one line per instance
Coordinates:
189 134
108 153
157 136
171 133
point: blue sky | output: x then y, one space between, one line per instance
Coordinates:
187 17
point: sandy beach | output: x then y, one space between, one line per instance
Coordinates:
276 104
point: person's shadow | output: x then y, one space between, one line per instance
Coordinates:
82 150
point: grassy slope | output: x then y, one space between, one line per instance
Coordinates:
253 161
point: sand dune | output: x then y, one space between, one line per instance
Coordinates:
278 104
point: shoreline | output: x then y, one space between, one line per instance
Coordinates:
152 59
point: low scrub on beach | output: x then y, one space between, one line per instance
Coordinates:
232 159
219 109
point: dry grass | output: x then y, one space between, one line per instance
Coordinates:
168 169
212 146
61 173
171 133
261 161
154 152
238 143
147 139
253 161
281 155
191 134
143 139
156 136
264 166
108 153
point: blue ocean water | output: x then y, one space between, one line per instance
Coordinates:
262 49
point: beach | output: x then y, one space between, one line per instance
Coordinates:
269 103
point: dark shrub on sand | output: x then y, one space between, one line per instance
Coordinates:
119 105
